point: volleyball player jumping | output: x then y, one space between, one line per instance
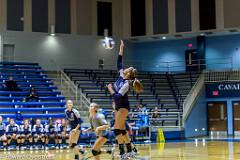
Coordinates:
119 90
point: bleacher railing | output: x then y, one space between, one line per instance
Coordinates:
192 97
162 66
220 76
80 99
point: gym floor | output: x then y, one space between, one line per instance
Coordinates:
182 150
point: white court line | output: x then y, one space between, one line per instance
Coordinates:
210 156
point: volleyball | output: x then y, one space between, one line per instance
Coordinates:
108 43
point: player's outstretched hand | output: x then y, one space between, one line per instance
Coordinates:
121 48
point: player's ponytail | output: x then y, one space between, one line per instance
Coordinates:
137 86
135 83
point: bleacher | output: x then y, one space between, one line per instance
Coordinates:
157 91
27 75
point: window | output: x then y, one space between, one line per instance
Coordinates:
160 16
15 15
40 16
62 16
207 13
183 15
104 17
138 21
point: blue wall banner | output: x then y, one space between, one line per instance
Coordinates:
223 90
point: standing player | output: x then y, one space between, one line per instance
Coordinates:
100 126
38 133
119 91
73 117
26 133
12 131
51 133
3 137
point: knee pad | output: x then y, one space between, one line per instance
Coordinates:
73 145
59 136
95 153
124 132
67 136
117 132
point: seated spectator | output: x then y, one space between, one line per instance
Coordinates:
19 116
142 108
32 97
12 133
155 113
11 85
3 137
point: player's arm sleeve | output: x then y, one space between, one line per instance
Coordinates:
7 129
121 92
66 117
120 65
34 129
46 129
56 128
77 114
42 129
18 128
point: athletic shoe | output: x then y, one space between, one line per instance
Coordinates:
130 155
113 152
22 148
123 157
83 152
135 150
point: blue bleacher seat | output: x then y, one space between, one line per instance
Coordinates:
60 115
32 103
28 75
59 98
10 110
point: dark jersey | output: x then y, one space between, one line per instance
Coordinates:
73 117
26 129
2 129
50 129
121 88
38 129
63 128
12 129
